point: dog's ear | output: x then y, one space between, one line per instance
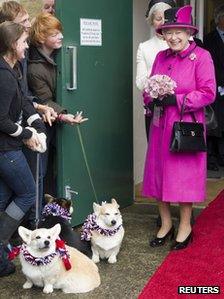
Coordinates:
48 198
96 208
25 234
55 230
114 202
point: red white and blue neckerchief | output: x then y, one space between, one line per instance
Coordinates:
42 261
55 209
90 225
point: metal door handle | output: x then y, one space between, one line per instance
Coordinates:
69 192
72 85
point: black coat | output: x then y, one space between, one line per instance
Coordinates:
214 44
14 109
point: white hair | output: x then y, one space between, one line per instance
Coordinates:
161 7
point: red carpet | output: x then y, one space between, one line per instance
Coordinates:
200 264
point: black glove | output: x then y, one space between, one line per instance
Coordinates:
169 100
149 106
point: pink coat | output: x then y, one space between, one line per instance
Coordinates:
179 177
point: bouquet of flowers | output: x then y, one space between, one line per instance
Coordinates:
159 86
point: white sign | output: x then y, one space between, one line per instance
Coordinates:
90 32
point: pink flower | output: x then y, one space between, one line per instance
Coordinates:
159 86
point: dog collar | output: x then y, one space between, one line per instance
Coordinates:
90 225
41 261
55 210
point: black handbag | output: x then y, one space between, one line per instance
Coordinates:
210 119
187 136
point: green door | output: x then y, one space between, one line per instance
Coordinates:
95 76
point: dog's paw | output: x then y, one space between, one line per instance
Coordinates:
95 259
112 260
48 289
28 285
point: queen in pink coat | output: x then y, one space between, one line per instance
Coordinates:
178 177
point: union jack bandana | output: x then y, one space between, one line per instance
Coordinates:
91 225
55 210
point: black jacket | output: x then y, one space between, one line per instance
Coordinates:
214 44
14 110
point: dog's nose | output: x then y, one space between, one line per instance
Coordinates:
46 243
113 222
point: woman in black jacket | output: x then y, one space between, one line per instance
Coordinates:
17 186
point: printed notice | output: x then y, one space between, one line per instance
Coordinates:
90 32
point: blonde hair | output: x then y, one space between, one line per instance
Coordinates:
44 25
161 6
10 10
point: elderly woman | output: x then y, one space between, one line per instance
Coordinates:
173 177
148 50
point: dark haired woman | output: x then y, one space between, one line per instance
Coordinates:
17 186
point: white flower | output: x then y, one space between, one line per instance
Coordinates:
192 56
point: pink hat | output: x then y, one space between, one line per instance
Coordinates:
179 17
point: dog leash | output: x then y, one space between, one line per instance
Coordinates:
86 163
37 214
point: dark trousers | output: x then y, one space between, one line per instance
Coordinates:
215 148
31 158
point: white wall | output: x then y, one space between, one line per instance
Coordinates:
140 34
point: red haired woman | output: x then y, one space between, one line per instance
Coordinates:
46 38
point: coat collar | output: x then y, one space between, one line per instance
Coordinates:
6 66
37 55
183 53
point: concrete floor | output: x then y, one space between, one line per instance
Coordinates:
136 261
125 279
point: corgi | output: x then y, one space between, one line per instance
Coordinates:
47 265
105 231
59 210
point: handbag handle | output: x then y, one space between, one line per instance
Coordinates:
182 112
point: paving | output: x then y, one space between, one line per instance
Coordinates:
125 279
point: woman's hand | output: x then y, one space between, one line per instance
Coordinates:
73 119
48 114
32 142
168 100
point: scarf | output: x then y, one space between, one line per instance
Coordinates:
55 210
90 225
42 261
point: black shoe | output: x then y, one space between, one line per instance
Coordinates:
181 245
161 241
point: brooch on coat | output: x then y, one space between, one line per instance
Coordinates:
192 56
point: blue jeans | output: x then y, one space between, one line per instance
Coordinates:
31 158
16 181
